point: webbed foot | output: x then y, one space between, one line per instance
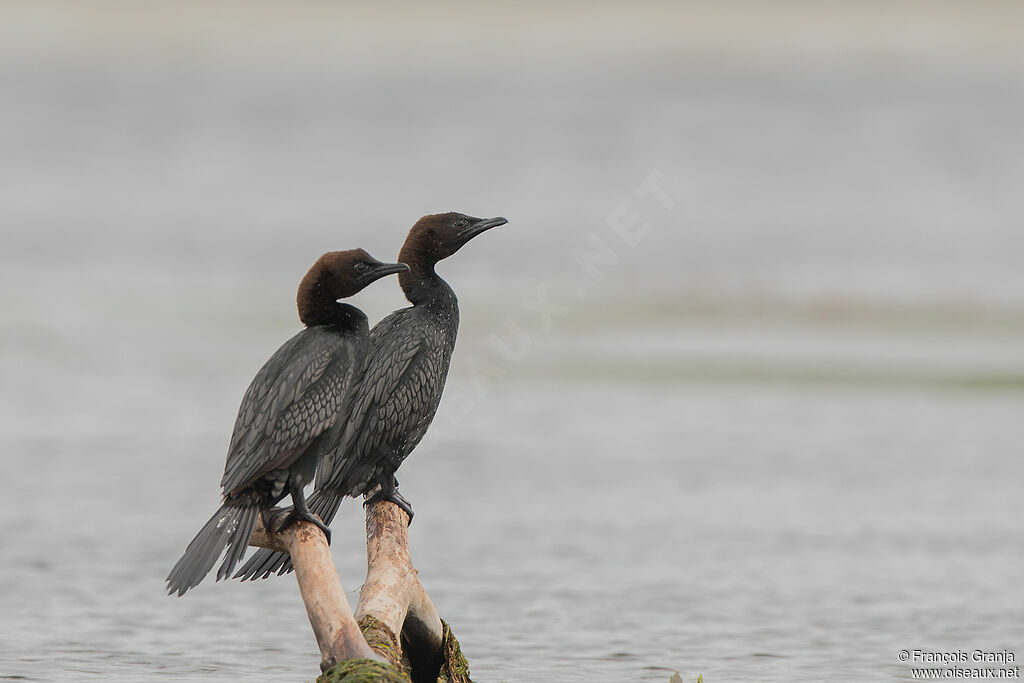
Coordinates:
302 512
307 516
390 493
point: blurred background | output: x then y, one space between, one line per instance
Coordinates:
738 390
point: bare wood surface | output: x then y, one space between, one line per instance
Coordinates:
395 624
334 626
392 593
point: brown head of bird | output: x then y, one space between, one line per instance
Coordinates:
437 237
337 275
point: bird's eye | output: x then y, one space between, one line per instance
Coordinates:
461 223
361 267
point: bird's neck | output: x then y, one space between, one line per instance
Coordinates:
335 314
318 308
421 283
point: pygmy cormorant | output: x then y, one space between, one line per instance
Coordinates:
283 423
396 398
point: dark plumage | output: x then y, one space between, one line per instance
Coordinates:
397 396
282 426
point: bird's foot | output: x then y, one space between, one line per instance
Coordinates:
306 516
393 496
275 519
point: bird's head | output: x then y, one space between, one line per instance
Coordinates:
440 235
337 275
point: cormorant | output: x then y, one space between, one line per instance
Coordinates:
397 396
283 423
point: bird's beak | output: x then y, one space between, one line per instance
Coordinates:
480 225
383 270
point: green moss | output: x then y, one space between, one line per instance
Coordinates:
382 641
363 671
455 668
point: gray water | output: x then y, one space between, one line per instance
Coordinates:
778 439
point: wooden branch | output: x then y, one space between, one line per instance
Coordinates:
392 594
394 611
336 630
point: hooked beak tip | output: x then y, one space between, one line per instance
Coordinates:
485 224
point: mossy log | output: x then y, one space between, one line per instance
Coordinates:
395 633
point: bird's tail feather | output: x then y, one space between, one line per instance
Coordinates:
266 562
230 526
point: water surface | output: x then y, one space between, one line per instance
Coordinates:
778 440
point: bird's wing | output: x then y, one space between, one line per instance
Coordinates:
392 405
294 397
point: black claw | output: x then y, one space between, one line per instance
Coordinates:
296 516
323 527
401 502
303 512
390 493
